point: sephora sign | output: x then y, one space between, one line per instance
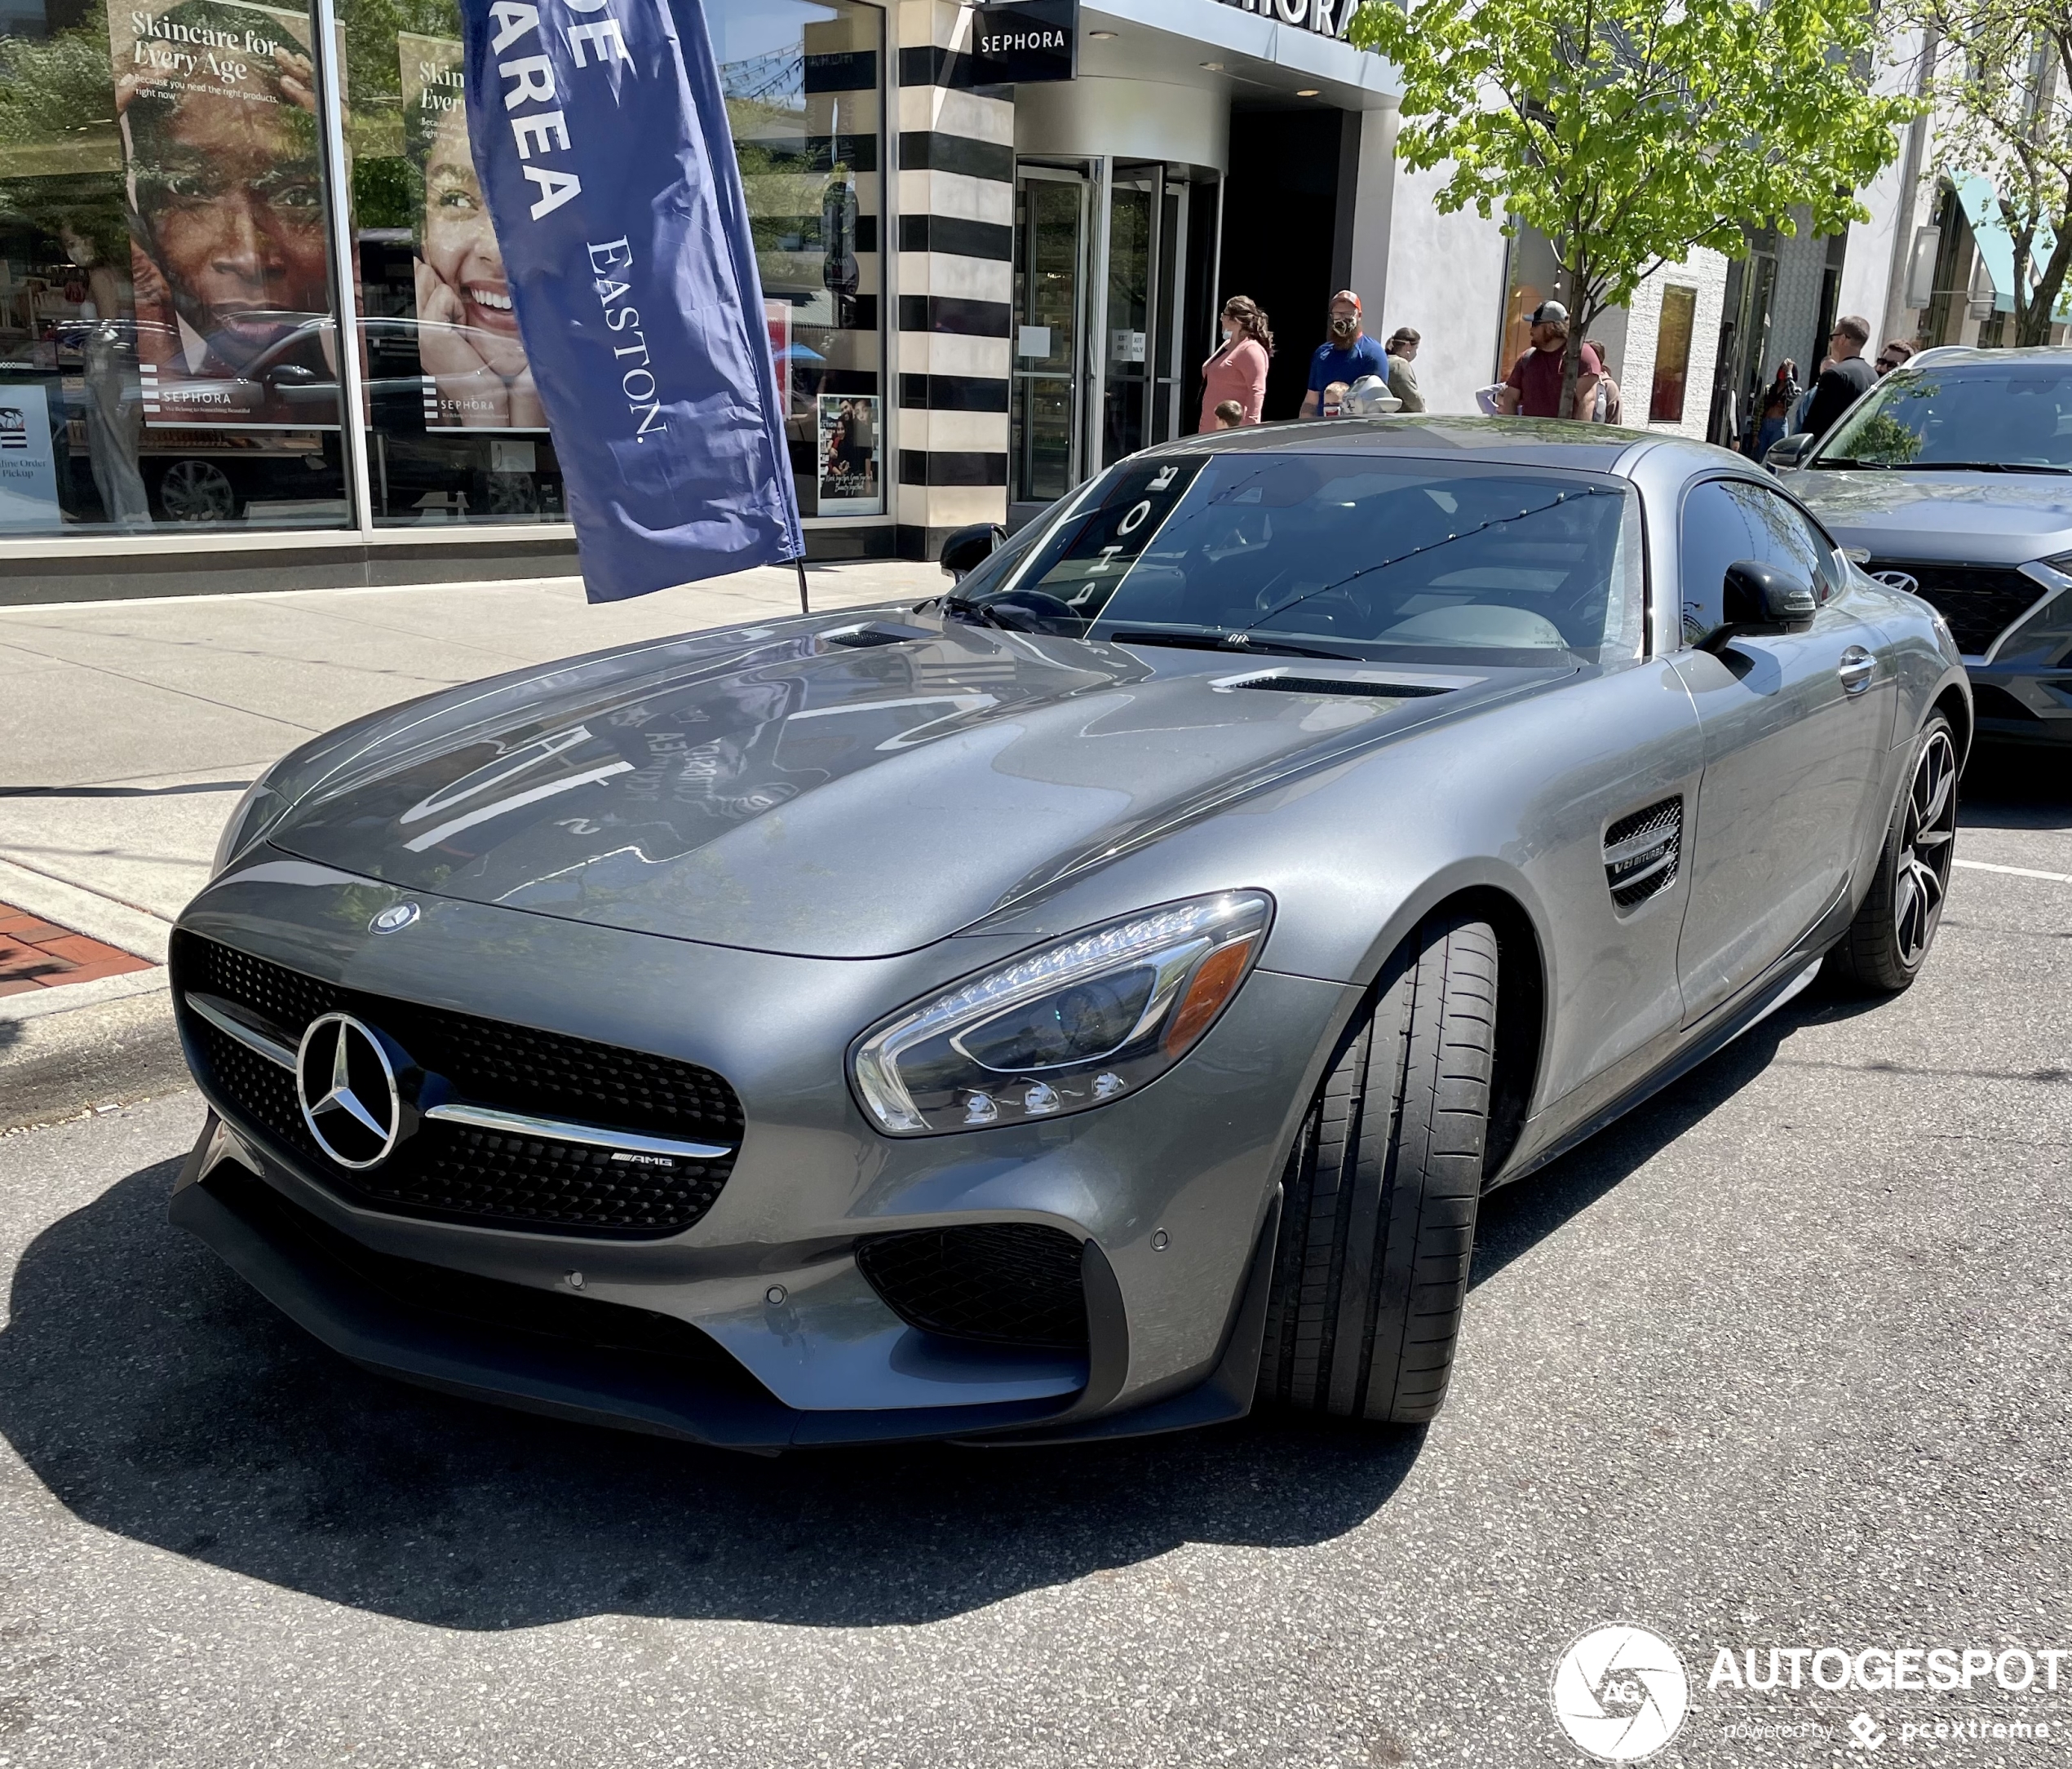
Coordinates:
1329 18
1027 41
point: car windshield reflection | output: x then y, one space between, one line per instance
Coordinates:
1333 555
2015 418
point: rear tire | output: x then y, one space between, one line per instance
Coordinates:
1888 941
1381 1189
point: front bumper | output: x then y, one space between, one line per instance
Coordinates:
782 1341
2021 702
512 1347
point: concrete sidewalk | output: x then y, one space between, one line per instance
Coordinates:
128 729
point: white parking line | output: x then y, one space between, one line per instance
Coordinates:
2018 872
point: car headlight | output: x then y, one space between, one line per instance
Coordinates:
1066 1027
255 813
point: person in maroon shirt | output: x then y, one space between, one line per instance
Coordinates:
1533 389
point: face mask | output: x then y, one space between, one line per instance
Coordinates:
1344 325
1229 334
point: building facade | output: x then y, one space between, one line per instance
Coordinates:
978 293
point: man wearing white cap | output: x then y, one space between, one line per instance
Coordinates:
1533 389
1348 355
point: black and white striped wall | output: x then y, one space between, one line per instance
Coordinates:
956 162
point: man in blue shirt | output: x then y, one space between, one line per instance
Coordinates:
1350 354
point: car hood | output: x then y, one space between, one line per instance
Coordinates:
1974 518
785 790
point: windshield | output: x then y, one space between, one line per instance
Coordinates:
2013 417
1335 556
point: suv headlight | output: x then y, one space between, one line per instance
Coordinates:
1066 1027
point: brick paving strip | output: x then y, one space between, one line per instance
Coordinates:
37 954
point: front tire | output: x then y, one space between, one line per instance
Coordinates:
1888 941
1381 1189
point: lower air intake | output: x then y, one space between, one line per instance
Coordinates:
1001 1283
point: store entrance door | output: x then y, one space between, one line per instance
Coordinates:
1049 275
1146 248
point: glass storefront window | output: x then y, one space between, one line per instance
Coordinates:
168 338
167 353
456 430
805 82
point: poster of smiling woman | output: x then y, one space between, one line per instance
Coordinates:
217 106
474 362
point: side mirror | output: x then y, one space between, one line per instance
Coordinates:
1787 453
1756 599
968 548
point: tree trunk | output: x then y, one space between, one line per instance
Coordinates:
2035 325
1571 367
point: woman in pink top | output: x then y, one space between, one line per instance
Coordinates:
1237 370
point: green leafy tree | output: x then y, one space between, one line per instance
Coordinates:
1629 132
60 159
2002 86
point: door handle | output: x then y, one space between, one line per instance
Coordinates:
1856 670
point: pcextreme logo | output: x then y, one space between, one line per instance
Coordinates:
1620 1692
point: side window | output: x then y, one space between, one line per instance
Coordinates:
1725 520
1715 533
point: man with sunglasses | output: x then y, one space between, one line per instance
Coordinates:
1844 379
1894 356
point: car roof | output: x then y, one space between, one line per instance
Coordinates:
1959 356
1499 441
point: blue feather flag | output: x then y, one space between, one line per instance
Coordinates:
600 137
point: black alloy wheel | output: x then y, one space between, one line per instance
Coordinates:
1888 941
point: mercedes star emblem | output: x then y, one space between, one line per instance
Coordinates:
346 1086
394 916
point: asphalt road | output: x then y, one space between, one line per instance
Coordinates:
1781 1360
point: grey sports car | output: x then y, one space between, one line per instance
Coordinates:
1083 1002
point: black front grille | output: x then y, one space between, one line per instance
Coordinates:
455 1172
1003 1283
1980 602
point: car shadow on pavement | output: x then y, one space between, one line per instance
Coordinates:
2009 788
1518 1218
159 1398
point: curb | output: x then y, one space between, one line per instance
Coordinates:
107 1052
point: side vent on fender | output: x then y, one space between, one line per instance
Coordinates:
1641 853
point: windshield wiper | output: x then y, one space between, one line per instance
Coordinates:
1843 460
1210 639
964 609
1987 466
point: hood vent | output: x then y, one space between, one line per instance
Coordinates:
1641 852
876 633
1325 684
